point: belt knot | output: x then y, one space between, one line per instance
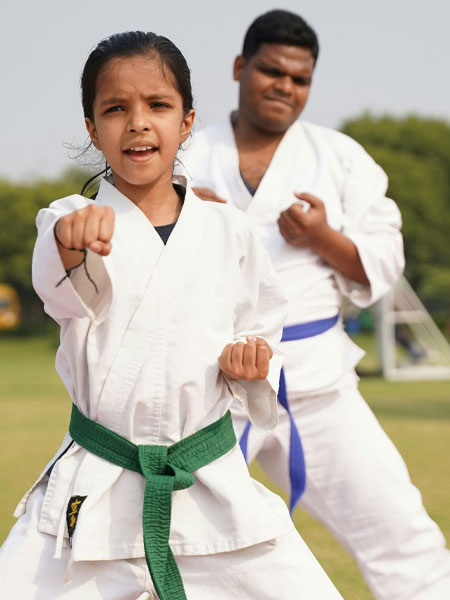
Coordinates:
155 461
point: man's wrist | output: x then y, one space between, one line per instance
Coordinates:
326 242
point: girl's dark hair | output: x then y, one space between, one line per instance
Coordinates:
132 43
280 27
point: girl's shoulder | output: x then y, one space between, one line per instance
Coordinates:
67 204
74 201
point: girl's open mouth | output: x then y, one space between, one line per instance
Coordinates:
140 152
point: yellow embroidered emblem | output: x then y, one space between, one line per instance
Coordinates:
73 510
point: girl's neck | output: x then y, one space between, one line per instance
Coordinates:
159 202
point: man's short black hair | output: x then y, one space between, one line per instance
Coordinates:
280 27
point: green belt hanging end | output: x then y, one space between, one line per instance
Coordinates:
166 469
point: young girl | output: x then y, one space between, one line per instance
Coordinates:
156 341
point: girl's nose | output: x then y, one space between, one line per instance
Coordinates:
138 121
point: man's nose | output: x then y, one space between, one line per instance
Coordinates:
284 85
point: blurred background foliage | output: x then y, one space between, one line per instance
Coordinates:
20 203
415 153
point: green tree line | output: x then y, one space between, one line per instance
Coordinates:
414 152
19 205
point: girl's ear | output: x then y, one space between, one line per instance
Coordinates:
90 126
186 125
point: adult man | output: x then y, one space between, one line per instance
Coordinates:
318 202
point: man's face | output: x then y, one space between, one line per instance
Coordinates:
274 85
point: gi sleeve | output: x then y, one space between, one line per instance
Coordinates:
87 291
260 311
373 222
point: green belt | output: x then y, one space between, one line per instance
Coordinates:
165 468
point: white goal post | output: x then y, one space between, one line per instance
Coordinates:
401 318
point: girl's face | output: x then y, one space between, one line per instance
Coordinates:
138 122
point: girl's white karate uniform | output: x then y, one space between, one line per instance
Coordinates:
140 357
357 483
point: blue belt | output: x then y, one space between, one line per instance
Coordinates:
297 473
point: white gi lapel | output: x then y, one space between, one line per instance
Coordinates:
289 171
227 169
183 243
134 224
150 323
282 178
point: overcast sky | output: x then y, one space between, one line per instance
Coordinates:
385 56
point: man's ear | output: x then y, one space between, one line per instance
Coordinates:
186 126
238 66
92 131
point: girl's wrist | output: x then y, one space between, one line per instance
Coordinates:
58 241
55 235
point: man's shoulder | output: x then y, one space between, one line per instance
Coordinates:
333 137
202 147
211 133
337 146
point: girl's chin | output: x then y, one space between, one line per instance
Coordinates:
132 180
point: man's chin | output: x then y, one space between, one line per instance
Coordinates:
269 124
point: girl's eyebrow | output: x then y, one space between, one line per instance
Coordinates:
161 96
112 101
118 100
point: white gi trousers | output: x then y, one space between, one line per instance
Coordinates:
279 569
358 485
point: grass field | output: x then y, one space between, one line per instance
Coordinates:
35 410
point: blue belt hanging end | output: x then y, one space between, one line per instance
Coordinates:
243 442
297 471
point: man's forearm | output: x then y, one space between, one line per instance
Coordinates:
341 253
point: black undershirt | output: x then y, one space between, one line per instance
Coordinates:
165 231
250 188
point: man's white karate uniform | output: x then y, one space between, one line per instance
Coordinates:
356 481
141 333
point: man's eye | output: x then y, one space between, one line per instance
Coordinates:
159 105
301 81
271 72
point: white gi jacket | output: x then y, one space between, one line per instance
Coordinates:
337 170
140 357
